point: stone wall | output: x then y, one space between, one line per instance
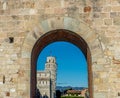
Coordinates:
22 22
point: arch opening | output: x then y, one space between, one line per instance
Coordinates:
54 36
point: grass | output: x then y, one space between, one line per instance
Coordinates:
72 97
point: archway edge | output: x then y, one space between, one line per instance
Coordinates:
68 23
53 36
61 35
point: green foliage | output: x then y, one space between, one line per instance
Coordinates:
71 97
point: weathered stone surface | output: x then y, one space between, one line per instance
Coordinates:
100 95
53 23
96 21
115 8
108 21
116 21
107 9
87 9
97 9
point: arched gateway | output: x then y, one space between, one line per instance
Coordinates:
54 36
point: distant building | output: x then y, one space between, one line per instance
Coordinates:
74 92
84 93
46 80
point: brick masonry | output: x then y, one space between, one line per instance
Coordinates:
22 22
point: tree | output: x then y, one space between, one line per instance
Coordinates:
38 93
58 94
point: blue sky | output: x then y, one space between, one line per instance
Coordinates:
72 65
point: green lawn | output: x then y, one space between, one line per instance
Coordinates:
72 97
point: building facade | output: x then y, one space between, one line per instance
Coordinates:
46 80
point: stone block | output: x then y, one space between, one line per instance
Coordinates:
14 80
87 9
22 87
7 93
33 11
49 11
68 23
26 61
100 68
96 15
90 37
103 75
25 54
71 10
59 11
115 8
101 61
50 4
116 21
108 21
105 15
113 14
100 95
53 23
97 81
118 75
98 22
45 26
106 9
97 9
27 4
115 2
80 9
3 35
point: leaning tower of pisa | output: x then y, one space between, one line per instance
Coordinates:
51 66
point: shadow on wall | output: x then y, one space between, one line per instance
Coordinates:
38 95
